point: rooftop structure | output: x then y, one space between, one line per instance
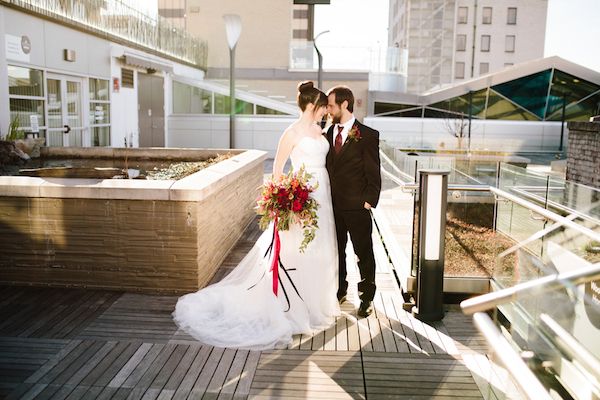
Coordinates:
455 40
531 91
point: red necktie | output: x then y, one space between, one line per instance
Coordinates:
338 139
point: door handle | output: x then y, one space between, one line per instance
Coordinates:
67 129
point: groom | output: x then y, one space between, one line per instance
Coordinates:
354 172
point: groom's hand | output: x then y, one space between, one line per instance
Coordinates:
367 206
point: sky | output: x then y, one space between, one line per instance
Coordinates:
352 24
572 31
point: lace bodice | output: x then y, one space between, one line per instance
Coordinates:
311 152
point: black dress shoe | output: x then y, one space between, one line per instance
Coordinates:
341 299
365 309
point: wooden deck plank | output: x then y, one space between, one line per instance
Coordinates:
128 368
218 379
375 333
82 371
353 334
248 373
235 372
207 372
305 342
147 363
388 336
330 337
155 368
318 341
187 383
171 369
125 345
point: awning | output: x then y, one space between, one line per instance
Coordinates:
143 62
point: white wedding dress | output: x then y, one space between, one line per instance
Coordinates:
241 310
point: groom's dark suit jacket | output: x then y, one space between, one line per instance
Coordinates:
355 172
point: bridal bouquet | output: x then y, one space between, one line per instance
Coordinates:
286 201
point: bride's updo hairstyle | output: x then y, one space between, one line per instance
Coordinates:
308 93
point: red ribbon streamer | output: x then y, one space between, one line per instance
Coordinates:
275 262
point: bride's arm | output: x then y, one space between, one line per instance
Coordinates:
284 148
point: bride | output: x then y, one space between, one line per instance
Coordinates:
241 310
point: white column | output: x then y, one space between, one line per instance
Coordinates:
4 106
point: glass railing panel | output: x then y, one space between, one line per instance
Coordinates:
126 20
574 309
518 223
520 179
556 194
471 244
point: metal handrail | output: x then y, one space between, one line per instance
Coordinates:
546 213
413 186
551 203
571 347
395 167
523 377
491 300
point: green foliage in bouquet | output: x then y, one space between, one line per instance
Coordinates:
288 201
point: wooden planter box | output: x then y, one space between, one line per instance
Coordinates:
133 235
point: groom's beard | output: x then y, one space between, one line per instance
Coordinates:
336 119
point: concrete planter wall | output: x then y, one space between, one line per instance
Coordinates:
133 235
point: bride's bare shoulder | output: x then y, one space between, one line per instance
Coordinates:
291 133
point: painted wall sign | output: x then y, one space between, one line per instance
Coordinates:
18 48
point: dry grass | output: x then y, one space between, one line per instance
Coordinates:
471 250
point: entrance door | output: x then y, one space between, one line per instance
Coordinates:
151 110
65 111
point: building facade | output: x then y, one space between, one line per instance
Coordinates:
275 50
454 40
82 74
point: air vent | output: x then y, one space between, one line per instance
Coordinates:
126 78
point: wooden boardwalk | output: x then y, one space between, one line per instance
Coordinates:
92 344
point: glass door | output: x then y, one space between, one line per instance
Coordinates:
65 111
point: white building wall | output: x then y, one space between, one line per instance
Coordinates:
4 106
95 58
212 131
492 135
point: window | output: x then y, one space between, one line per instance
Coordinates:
485 43
486 18
484 68
508 65
461 42
300 34
511 16
126 78
189 99
459 70
99 112
510 44
462 15
300 14
26 96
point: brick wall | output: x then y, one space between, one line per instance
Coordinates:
583 156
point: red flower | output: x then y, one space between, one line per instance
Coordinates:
297 206
354 134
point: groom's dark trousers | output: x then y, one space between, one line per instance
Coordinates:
355 178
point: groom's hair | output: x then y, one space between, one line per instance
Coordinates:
343 93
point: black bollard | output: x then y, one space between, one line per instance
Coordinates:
433 194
